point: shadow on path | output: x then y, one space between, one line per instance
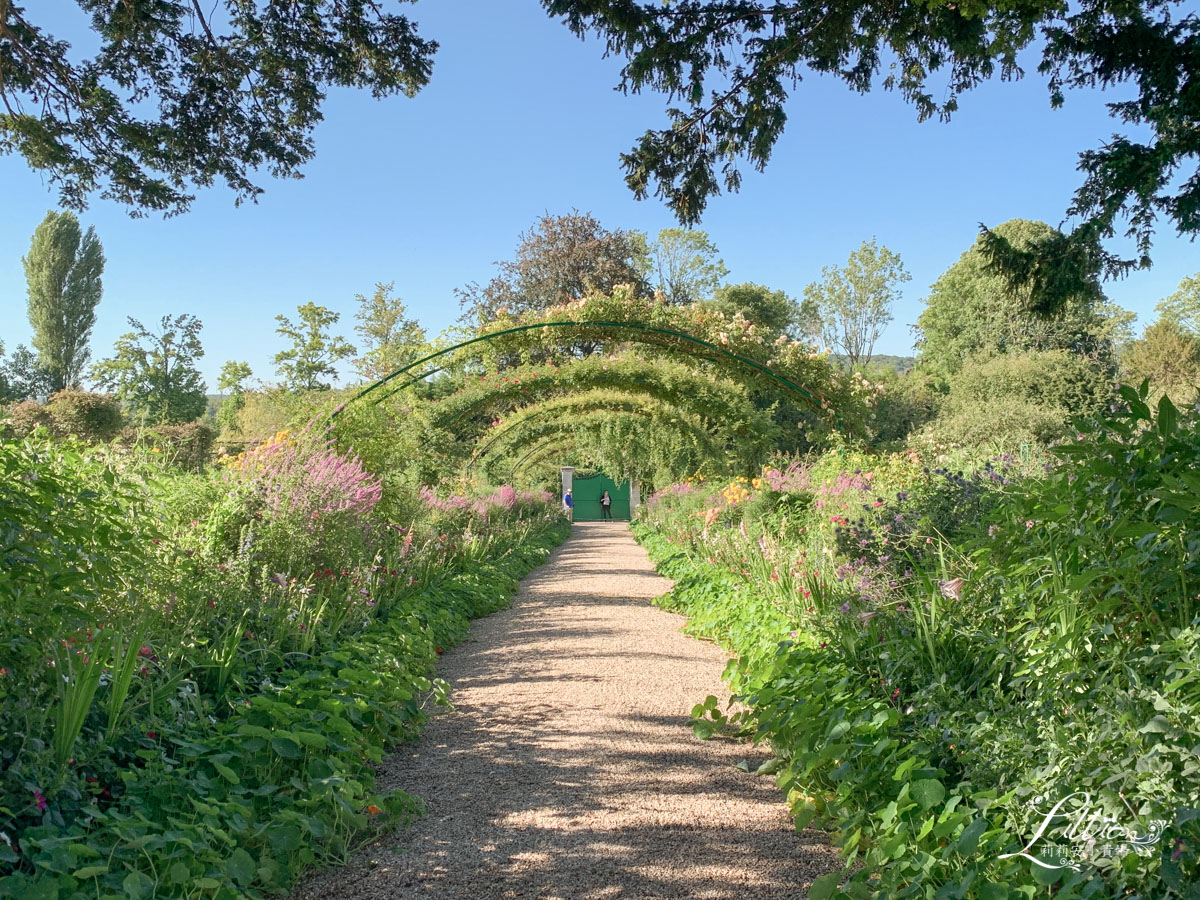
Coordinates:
568 769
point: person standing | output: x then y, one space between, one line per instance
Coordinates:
569 506
606 506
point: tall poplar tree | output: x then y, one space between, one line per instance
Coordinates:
62 273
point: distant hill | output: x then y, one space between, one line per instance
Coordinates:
901 364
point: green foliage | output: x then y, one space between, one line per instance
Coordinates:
773 311
187 446
560 259
165 100
154 374
972 310
1168 354
853 304
908 403
1183 306
88 417
22 377
25 417
314 354
217 736
928 651
232 381
733 65
62 273
390 341
681 264
1006 400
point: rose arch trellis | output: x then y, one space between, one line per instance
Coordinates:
531 422
691 334
584 330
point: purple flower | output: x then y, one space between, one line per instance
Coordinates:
40 800
845 607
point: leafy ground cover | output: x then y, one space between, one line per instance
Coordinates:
983 677
198 669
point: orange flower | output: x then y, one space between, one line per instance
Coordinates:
373 810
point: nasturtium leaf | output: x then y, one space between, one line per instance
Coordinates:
1045 876
286 747
968 841
89 872
928 792
285 839
823 888
241 867
227 773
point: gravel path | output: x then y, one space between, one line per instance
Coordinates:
567 768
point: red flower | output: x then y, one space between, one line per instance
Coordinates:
152 734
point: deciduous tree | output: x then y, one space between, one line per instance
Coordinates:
773 310
1183 306
390 340
854 303
154 374
971 310
62 274
22 378
557 260
314 354
682 263
232 382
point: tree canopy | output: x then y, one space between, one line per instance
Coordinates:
388 337
310 362
682 264
853 303
971 309
558 260
62 273
180 94
154 374
728 67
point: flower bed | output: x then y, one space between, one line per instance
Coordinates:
943 659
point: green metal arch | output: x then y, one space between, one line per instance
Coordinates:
616 405
630 326
631 408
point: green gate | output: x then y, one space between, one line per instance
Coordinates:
586 491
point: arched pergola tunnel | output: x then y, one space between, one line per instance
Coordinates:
581 415
699 390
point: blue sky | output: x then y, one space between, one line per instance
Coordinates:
522 118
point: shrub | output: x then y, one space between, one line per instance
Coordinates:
189 446
1050 378
27 416
93 418
908 402
1002 424
1004 401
